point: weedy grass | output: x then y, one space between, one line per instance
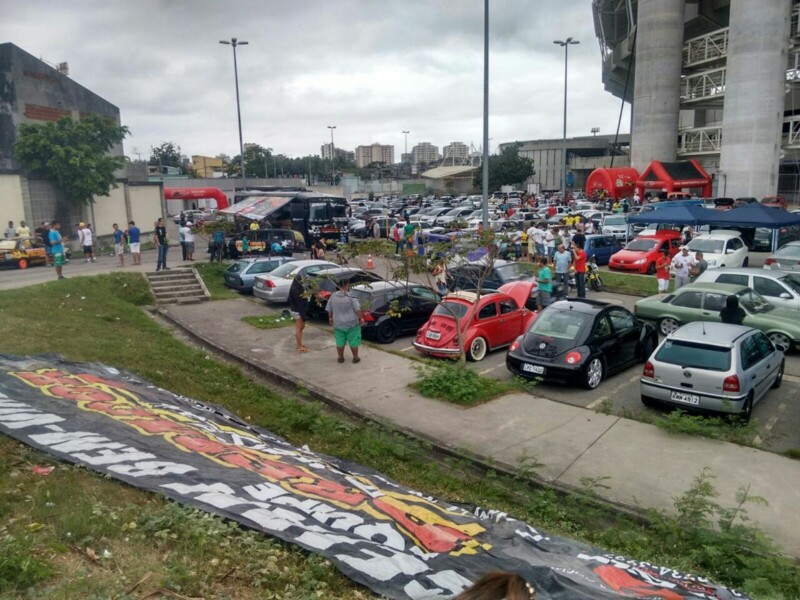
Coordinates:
213 276
452 382
629 283
269 321
74 534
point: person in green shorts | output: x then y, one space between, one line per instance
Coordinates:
544 281
57 248
346 317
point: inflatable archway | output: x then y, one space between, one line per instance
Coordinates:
616 182
198 194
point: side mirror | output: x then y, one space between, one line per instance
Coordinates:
785 296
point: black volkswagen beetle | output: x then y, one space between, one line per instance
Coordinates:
581 341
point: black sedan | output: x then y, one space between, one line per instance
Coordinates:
581 341
394 308
323 283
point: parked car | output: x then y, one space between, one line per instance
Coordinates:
763 238
429 218
703 301
601 247
721 248
241 275
596 217
488 277
640 254
21 253
786 258
713 367
618 226
394 308
384 223
778 287
452 216
487 322
581 341
274 286
326 281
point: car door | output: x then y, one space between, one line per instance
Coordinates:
754 367
511 321
774 291
626 330
422 302
770 363
713 302
487 321
686 306
604 339
735 253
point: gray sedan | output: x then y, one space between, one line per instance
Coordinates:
274 286
712 367
787 258
241 275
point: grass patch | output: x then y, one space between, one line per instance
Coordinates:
452 382
269 321
628 283
212 274
48 525
718 428
792 453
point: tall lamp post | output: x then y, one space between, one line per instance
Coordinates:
333 156
233 43
485 174
405 133
566 44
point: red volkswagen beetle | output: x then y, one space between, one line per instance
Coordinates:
487 322
641 254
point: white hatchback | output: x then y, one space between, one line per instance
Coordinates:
721 248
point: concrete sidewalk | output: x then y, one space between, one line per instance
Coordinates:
646 466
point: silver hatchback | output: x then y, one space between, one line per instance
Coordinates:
712 367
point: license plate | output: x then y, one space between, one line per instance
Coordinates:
259 284
433 335
687 398
538 370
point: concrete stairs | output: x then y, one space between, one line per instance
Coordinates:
180 285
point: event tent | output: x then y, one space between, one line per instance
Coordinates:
681 215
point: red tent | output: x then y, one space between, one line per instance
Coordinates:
616 182
674 177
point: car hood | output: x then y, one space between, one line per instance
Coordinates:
520 291
630 255
783 318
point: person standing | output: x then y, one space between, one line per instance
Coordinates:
346 317
134 242
162 245
662 271
396 236
298 307
10 231
549 242
57 248
700 266
408 235
732 313
579 239
119 244
544 283
561 260
579 260
23 231
682 263
440 274
182 239
532 233
376 229
87 242
43 235
188 240
217 245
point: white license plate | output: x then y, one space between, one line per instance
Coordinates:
259 284
433 335
538 370
687 398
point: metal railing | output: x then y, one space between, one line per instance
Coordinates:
707 85
791 139
794 23
705 48
700 140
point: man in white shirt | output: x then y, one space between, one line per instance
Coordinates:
86 236
23 231
589 227
10 231
549 242
531 233
538 238
188 239
683 264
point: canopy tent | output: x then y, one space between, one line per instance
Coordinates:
682 215
674 176
614 182
257 208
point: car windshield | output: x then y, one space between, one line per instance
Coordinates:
284 270
515 272
364 297
793 281
559 324
753 302
789 251
641 245
707 245
694 355
614 221
452 309
238 266
8 244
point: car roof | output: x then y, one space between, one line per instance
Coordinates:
660 234
338 271
582 305
730 288
718 234
718 334
385 286
768 273
255 259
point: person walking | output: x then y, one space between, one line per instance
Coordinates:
162 244
134 242
579 261
544 283
549 242
188 241
396 234
682 263
298 307
9 231
182 239
217 245
732 313
346 317
662 271
561 260
119 244
57 248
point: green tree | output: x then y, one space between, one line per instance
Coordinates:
506 168
166 154
73 155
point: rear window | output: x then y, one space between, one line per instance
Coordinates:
698 356
238 266
561 324
450 309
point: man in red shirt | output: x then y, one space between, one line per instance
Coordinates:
579 262
551 211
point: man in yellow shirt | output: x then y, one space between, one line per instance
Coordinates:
23 231
254 226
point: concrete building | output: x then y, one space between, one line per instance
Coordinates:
33 92
374 153
325 153
714 80
584 154
455 151
208 166
424 153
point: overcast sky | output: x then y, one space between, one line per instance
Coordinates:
371 67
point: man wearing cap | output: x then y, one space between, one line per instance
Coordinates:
188 239
43 235
683 263
87 242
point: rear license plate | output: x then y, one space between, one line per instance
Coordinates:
538 370
259 284
433 335
686 398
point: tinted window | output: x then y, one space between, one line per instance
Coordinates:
262 267
238 266
750 355
767 287
621 319
599 243
735 244
424 293
691 354
514 272
641 245
714 302
689 300
507 306
488 311
732 278
602 328
763 344
451 309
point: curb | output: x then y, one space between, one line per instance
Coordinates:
341 405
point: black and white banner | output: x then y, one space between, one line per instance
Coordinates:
396 541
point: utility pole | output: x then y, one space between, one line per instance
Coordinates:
566 44
234 42
485 198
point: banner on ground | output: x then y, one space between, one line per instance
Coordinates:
396 541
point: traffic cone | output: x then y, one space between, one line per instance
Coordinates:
370 264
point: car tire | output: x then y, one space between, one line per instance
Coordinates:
747 409
651 268
593 374
597 284
386 332
477 349
776 337
779 379
668 325
23 263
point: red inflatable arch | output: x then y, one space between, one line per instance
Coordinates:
197 194
616 182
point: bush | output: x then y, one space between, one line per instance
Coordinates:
454 383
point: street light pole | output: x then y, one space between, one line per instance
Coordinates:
485 198
405 133
234 42
333 156
566 44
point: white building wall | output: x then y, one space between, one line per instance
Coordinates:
12 207
145 205
108 210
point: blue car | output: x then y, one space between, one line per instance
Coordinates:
601 246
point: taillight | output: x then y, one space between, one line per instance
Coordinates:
324 294
369 317
572 357
269 283
769 261
649 370
731 384
514 346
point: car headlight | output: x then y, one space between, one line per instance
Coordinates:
641 261
712 262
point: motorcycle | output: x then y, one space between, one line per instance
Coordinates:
593 275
